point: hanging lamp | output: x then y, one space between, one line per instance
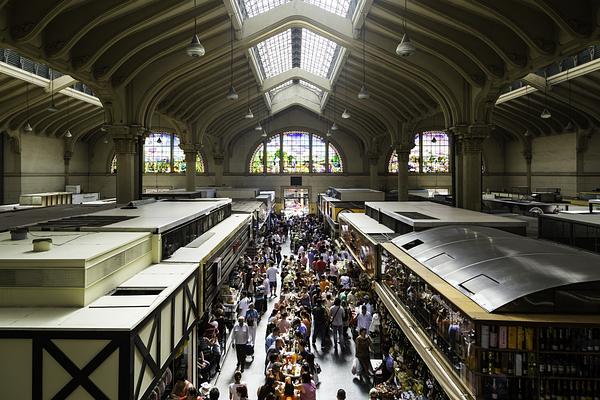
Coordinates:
406 48
363 94
545 112
52 107
346 114
434 140
249 114
231 94
27 127
195 48
159 141
68 133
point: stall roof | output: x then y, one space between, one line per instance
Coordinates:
155 217
205 246
365 224
125 313
583 217
246 206
505 272
425 214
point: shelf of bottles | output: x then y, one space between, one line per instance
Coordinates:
501 360
412 377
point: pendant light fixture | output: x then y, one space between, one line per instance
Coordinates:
52 106
195 48
434 140
249 114
406 48
570 128
545 113
27 127
346 113
159 141
363 94
334 126
68 133
231 94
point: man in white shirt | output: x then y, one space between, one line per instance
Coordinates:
272 277
363 319
240 340
244 304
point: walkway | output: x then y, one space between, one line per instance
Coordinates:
335 367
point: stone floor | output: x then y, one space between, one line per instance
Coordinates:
335 367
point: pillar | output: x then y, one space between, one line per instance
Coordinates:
581 148
458 132
528 156
403 156
67 159
471 162
190 169
125 139
373 161
218 159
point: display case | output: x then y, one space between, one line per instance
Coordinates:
497 325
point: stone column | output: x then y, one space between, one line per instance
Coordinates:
458 132
581 148
67 159
190 169
528 156
373 175
125 139
403 156
218 159
472 152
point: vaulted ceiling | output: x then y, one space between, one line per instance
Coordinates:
289 53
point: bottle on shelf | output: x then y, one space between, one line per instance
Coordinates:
493 336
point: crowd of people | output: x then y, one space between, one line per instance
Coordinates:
320 306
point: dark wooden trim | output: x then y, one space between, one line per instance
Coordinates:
37 365
147 357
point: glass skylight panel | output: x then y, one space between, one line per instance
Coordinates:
312 88
275 54
252 8
317 53
339 7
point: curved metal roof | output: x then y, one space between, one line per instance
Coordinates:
502 272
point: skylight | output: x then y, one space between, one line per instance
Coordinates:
278 88
251 8
316 90
275 54
317 53
339 7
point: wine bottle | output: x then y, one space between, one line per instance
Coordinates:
494 389
512 337
554 340
518 364
542 338
493 336
561 343
497 364
510 364
502 337
485 336
484 362
542 364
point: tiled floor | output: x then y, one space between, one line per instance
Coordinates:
335 368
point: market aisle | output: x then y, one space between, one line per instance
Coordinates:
335 367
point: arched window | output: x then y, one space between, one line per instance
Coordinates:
294 152
430 154
113 165
162 154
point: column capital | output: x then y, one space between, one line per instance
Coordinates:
188 148
125 145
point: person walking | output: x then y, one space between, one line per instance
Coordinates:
363 355
234 388
240 340
337 324
252 321
319 324
272 273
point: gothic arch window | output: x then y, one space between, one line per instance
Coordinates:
296 152
430 154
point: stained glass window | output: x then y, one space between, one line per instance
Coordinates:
157 153
165 155
273 155
257 162
296 152
319 150
335 161
290 152
435 152
113 165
